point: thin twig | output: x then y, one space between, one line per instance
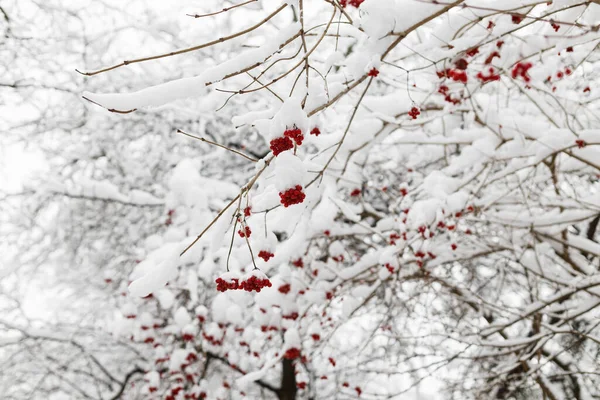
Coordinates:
218 145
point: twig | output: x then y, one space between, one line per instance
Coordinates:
222 11
218 145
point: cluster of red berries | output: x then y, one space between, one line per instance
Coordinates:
315 131
447 97
555 26
493 76
253 283
292 316
267 328
223 285
580 143
472 51
374 72
521 69
281 144
491 57
516 18
169 220
246 232
295 134
457 75
292 196
298 263
292 353
265 255
247 211
285 288
414 112
354 3
560 74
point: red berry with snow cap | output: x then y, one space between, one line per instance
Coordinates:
281 144
292 196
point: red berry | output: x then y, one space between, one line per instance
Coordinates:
332 361
454 246
315 131
580 143
247 211
355 193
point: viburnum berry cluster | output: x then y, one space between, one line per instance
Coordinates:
281 144
414 113
246 232
456 74
295 134
292 353
374 72
265 255
292 196
256 281
521 69
492 76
